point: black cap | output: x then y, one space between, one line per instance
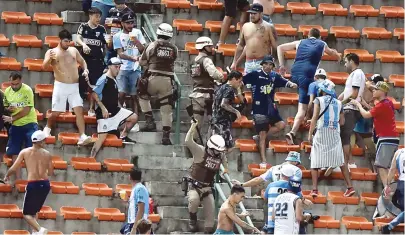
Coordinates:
267 59
376 78
128 18
256 8
119 1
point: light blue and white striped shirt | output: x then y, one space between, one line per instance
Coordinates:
330 119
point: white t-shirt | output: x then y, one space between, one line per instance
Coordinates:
121 40
357 79
285 221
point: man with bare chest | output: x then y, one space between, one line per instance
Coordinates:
64 60
258 38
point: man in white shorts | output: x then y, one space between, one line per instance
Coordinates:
64 61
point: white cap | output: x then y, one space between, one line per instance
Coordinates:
288 170
38 136
320 72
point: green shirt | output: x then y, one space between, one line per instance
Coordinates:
22 98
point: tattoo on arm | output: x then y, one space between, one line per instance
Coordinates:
227 106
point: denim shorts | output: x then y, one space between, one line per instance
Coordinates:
19 135
127 81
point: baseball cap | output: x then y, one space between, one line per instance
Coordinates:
288 170
128 17
119 1
267 59
321 72
294 184
38 136
114 61
256 8
382 86
376 78
293 157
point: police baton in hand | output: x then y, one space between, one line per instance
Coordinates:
191 114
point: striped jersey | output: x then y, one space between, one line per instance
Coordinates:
401 164
285 220
330 119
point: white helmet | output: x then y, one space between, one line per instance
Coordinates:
165 29
216 142
201 42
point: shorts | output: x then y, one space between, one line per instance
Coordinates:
220 231
112 123
126 228
386 148
96 68
127 81
35 196
267 18
65 92
364 126
346 131
18 135
303 84
231 7
252 65
262 122
223 130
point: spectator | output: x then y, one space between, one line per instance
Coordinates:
307 59
354 89
104 6
383 115
138 207
91 36
326 145
109 115
19 101
144 227
231 7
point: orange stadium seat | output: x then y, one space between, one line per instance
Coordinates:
59 163
187 25
386 56
336 197
20 185
356 223
248 94
190 47
53 41
117 165
364 55
400 126
5 188
209 4
285 30
97 189
339 78
75 213
255 169
85 164
44 90
306 146
4 41
246 145
46 212
357 151
369 199
7 160
16 232
376 33
55 233
126 187
326 221
227 49
392 11
397 104
109 214
329 9
344 32
13 17
111 140
242 122
64 188
302 8
281 146
68 138
364 10
215 26
304 29
278 8
320 199
36 65
379 222
63 117
397 79
306 174
47 19
363 174
7 63
27 41
303 126
176 4
399 32
286 98
10 211
154 218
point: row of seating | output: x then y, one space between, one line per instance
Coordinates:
353 223
30 41
13 17
25 232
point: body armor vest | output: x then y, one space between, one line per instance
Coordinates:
203 82
206 170
163 56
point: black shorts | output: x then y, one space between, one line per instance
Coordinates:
35 196
96 68
262 122
231 7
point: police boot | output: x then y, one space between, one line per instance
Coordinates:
192 224
150 123
166 136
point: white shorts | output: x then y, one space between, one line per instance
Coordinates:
65 92
112 123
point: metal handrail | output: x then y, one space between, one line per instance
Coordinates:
176 79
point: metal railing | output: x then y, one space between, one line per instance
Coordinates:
152 35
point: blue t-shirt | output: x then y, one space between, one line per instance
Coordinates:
263 85
313 89
139 194
106 2
122 40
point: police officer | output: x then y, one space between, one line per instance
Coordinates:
204 73
158 58
206 164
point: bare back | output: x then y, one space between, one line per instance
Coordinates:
257 39
268 6
38 161
224 222
65 65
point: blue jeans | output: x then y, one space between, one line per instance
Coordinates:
19 135
127 81
104 10
397 220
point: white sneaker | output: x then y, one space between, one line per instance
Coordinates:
84 140
91 113
47 131
43 231
351 165
135 128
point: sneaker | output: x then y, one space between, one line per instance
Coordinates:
47 131
135 128
43 231
84 140
385 229
91 113
127 140
314 193
290 138
328 171
349 192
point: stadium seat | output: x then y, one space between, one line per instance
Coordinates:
242 122
46 212
47 19
154 218
302 8
209 4
4 41
303 126
357 151
53 41
7 160
369 199
111 140
10 211
320 199
364 10
326 221
68 138
329 9
13 17
190 47
97 189
36 65
278 8
397 79
27 41
400 126
16 232
176 4
187 25
118 165
376 33
281 146
215 26
255 169
306 174
306 146
379 222
109 214
5 188
63 117
304 29
364 55
75 213
364 174
227 49
285 30
344 32
7 63
44 90
64 188
399 32
246 145
392 11
386 56
126 187
339 78
248 94
356 223
286 98
336 197
20 185
397 104
55 233
85 164
59 163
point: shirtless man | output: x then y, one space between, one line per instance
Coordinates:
258 38
64 61
227 215
268 9
38 162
